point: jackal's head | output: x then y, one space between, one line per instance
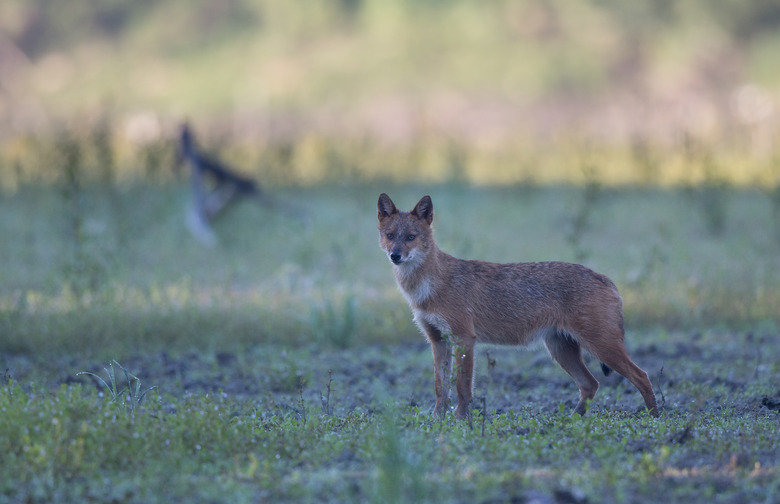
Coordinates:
407 237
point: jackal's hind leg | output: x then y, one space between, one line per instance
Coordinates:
567 352
464 366
617 358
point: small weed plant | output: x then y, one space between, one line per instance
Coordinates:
127 392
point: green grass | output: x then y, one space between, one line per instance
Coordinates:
133 277
75 442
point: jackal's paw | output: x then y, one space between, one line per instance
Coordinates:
463 410
440 410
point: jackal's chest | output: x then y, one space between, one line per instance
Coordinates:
422 317
418 293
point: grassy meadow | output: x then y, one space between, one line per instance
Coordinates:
282 364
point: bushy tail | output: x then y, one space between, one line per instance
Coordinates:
605 369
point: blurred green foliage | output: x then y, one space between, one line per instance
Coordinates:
41 25
357 58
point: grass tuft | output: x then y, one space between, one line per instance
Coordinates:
127 394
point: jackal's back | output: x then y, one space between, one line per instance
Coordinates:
513 302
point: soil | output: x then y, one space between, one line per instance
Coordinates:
695 373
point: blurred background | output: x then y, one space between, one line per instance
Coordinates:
461 78
639 138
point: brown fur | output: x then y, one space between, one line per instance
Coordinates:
458 303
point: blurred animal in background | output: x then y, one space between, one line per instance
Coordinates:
215 186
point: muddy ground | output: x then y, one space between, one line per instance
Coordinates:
691 372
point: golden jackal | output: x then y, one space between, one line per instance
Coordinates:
459 302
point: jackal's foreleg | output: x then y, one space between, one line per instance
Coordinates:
442 364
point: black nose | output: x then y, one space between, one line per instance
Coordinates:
396 258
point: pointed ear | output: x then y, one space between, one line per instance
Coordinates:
424 209
385 206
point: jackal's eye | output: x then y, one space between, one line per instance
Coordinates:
410 237
390 236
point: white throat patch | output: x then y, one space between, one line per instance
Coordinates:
419 294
